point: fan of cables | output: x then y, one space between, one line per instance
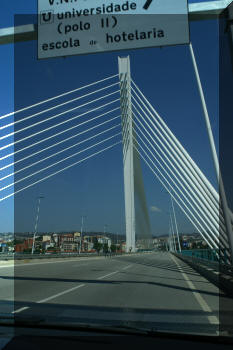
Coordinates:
48 137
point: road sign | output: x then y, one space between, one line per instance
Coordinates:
73 27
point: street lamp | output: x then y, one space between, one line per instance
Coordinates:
174 214
171 238
105 226
36 223
175 222
81 232
173 233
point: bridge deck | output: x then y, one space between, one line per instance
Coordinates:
143 290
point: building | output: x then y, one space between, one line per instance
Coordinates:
69 247
46 238
77 236
55 238
48 244
4 247
68 242
65 237
104 240
123 246
88 243
26 245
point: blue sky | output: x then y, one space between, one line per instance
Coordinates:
95 188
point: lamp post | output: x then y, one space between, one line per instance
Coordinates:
170 233
175 223
173 233
36 223
105 226
81 232
174 214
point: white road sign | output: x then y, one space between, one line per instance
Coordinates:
73 27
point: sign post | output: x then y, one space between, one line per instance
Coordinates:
73 27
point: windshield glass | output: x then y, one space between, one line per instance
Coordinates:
109 207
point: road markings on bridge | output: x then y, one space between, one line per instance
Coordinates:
59 294
50 298
62 293
67 291
109 274
205 307
21 309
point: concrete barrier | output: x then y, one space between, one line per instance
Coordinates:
7 257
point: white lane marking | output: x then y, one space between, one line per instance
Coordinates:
21 309
64 292
126 267
59 294
109 274
68 290
205 307
50 298
213 319
71 289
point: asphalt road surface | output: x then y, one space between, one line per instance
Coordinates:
154 290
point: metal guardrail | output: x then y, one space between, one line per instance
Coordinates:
207 254
26 256
6 256
220 267
23 256
192 259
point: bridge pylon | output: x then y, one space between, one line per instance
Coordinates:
136 212
128 150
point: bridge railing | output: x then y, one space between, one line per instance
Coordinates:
208 254
27 256
217 272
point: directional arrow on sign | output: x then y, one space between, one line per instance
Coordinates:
147 4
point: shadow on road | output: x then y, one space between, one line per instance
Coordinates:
97 281
167 265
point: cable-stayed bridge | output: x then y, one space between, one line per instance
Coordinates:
95 118
158 289
105 114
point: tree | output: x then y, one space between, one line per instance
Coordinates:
97 246
28 250
194 245
113 248
105 248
